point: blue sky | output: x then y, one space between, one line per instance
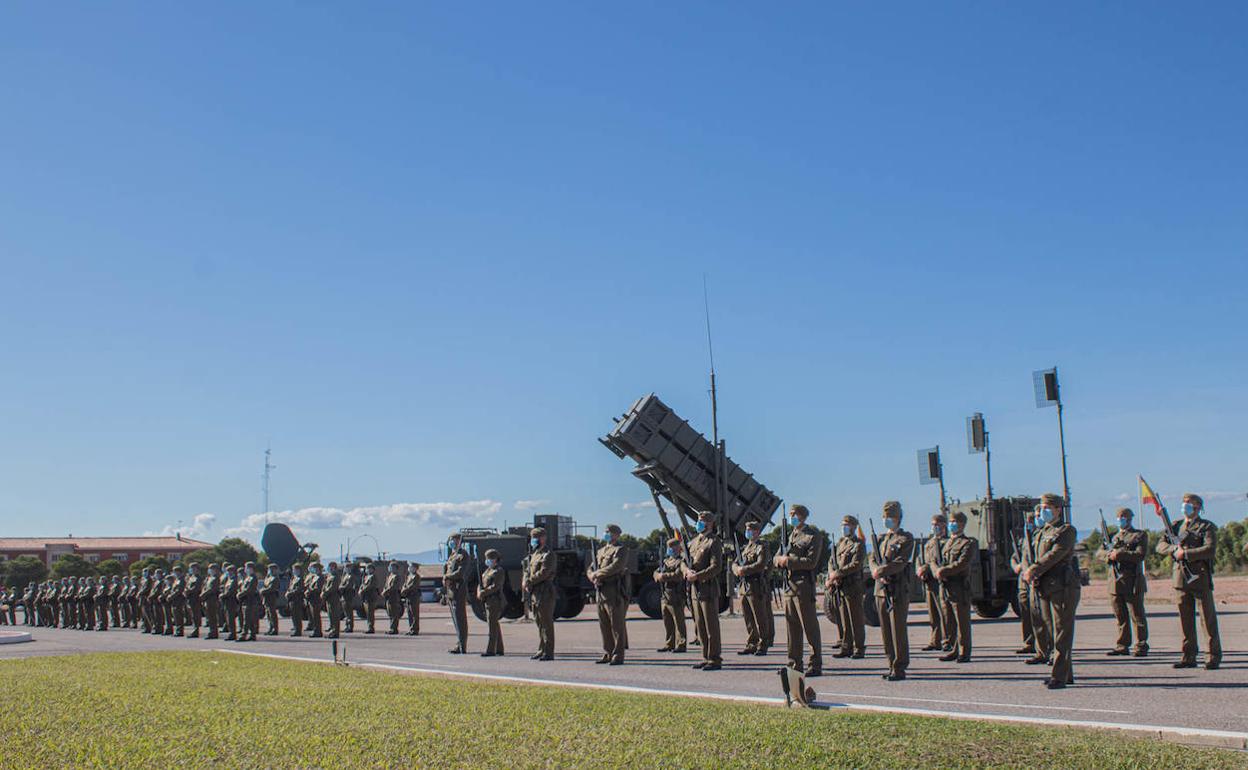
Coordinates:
428 252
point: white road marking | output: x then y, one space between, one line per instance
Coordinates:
1224 738
970 703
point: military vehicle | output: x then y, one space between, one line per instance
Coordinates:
680 465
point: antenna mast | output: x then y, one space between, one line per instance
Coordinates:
268 469
721 493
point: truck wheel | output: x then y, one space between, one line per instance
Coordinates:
478 609
569 605
513 609
650 600
869 613
991 608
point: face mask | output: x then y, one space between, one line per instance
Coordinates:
847 530
1046 515
701 526
891 524
1124 523
250 572
671 552
938 530
794 521
751 535
607 538
535 543
490 563
1189 510
953 529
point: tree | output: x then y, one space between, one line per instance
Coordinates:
151 562
24 570
110 567
203 557
72 565
237 551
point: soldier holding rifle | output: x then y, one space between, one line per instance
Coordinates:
753 569
1192 547
1125 553
672 580
845 577
942 625
1056 581
890 566
801 618
539 584
706 560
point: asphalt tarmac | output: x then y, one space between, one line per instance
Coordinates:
1192 705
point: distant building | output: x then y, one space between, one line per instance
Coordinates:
126 550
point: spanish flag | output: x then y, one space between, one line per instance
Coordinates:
1147 496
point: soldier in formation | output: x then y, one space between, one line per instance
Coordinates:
392 594
1125 554
538 583
313 593
801 563
845 577
1055 577
490 594
455 589
370 595
1020 560
331 597
891 569
754 569
411 598
210 593
931 552
270 593
1192 556
706 557
607 574
671 580
958 553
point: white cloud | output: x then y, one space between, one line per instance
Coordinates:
434 514
528 505
639 506
197 530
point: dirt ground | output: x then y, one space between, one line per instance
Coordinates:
1231 589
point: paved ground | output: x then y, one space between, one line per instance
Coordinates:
1122 691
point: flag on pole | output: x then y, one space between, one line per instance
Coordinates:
1148 496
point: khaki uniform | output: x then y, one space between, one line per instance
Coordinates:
760 623
392 593
211 593
800 614
959 554
892 597
313 586
176 598
1057 584
608 576
194 603
1199 539
1127 586
101 606
846 574
490 593
672 581
370 597
249 601
411 599
1019 563
349 588
456 591
942 624
155 596
270 590
331 600
295 603
539 577
229 604
706 552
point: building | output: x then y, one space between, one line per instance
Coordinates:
126 550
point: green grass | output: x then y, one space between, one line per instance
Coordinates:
189 709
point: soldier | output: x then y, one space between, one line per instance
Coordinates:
86 604
369 596
706 556
891 570
954 574
331 597
193 591
313 592
145 610
802 562
607 574
115 590
6 600
411 598
1193 581
754 569
1043 632
942 625
672 581
132 602
29 603
1018 563
294 599
349 587
210 592
845 577
154 590
455 591
539 584
1125 553
489 593
101 597
249 601
177 601
1056 581
392 593
229 602
270 591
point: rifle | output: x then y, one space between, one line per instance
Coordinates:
1170 533
1105 544
875 557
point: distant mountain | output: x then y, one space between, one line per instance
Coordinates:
424 557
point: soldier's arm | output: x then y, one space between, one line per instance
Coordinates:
454 568
757 564
713 566
616 565
857 557
811 561
1207 547
1164 547
1062 549
900 560
1135 552
545 570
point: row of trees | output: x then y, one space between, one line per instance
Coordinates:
1230 557
27 569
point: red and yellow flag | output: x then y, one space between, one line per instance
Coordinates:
1148 496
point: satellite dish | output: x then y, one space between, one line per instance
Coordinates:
280 545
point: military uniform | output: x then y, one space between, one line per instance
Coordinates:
892 593
101 604
194 601
210 591
295 602
706 554
1056 581
755 571
672 582
229 603
393 595
1127 586
608 575
313 586
958 554
539 581
1019 563
800 615
411 598
369 596
155 595
270 590
331 597
1193 583
349 588
846 578
490 594
177 603
454 587
249 603
943 625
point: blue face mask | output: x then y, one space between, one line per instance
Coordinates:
535 543
891 524
701 526
490 563
1046 515
953 528
794 521
847 530
607 538
1124 523
1189 510
671 552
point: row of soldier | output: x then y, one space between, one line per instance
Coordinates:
225 600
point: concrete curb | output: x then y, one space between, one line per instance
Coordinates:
15 637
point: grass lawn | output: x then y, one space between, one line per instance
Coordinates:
192 709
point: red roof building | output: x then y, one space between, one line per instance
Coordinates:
126 550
